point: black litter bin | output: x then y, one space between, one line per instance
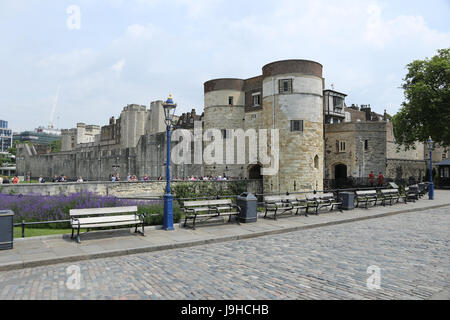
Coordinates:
348 200
248 204
6 229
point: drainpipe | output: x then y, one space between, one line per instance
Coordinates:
273 123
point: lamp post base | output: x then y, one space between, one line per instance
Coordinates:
168 212
431 192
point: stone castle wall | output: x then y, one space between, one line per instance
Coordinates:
118 189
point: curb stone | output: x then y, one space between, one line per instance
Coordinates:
250 235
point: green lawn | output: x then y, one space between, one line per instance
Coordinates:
29 232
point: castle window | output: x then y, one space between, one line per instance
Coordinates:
230 100
257 99
366 145
224 133
342 146
285 85
316 162
296 125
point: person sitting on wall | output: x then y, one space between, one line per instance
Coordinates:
15 180
146 178
80 180
6 180
1 179
160 178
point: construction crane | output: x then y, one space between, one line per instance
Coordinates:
55 103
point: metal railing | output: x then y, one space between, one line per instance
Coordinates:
23 224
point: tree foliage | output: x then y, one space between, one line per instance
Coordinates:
426 110
55 146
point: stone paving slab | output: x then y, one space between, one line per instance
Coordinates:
59 249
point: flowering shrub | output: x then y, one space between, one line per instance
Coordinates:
37 208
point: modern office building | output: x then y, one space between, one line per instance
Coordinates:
36 137
5 137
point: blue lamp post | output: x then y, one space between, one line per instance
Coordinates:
169 111
431 188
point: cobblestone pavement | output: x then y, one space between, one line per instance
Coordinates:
412 250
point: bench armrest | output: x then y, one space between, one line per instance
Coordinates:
237 207
142 215
74 220
189 210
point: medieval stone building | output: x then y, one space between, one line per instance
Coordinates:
320 138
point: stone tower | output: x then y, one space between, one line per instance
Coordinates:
224 109
133 121
293 104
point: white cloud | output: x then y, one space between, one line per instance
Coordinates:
141 32
118 67
381 33
148 48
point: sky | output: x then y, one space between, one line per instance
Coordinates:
121 52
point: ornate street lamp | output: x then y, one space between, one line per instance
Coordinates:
431 188
169 112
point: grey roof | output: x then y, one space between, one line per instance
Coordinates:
445 162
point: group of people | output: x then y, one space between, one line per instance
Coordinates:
380 179
115 177
59 179
205 178
5 180
134 178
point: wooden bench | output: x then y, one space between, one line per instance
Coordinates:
423 188
391 195
282 204
322 201
210 209
366 196
329 200
103 218
411 194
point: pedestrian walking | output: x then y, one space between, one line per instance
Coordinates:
371 178
380 179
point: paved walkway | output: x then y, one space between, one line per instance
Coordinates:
34 252
410 251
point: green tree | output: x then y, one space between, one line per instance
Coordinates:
56 146
426 111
